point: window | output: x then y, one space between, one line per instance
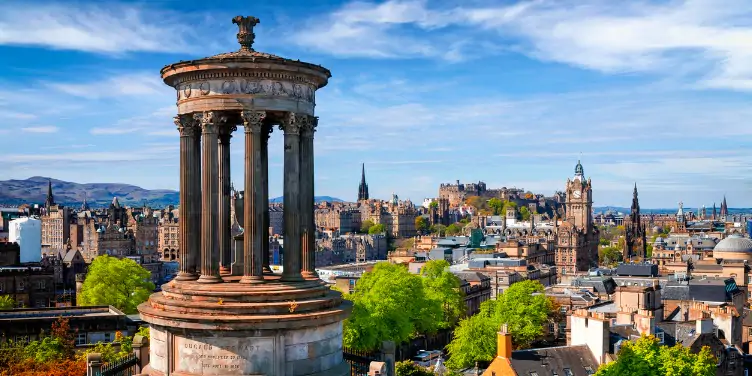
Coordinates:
41 285
80 339
107 337
568 372
660 336
533 373
2 287
21 285
589 370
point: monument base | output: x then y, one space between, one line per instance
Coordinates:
275 328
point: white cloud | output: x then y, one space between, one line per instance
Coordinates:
707 40
118 85
40 129
110 29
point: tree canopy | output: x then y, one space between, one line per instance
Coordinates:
647 357
453 229
408 368
609 255
524 213
421 224
390 303
7 302
365 226
524 313
377 229
121 283
438 229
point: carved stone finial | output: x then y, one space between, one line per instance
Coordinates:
245 31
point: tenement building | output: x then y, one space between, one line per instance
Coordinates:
55 223
231 315
167 233
396 215
577 248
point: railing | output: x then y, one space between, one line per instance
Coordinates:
125 366
359 361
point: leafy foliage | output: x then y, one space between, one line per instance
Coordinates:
525 213
121 283
524 313
408 368
609 255
389 303
453 229
7 302
421 225
438 229
51 355
143 331
377 229
443 287
647 357
365 226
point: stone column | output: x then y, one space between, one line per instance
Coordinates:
187 129
223 213
307 219
210 122
196 199
266 132
291 126
253 209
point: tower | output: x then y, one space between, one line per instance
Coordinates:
724 209
715 213
50 201
577 238
363 187
635 231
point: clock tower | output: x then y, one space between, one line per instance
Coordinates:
577 237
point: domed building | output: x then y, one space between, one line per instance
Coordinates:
734 247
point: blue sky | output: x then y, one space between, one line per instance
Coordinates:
423 92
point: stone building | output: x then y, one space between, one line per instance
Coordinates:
55 223
168 236
332 250
397 216
337 216
577 248
276 219
91 324
145 227
30 284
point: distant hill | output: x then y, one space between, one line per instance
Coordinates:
600 209
278 200
34 190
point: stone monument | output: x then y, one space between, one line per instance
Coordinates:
226 314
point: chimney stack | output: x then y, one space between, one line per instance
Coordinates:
504 345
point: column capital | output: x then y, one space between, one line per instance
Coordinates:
210 120
293 122
253 120
309 127
186 125
225 133
268 131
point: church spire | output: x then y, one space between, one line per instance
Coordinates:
363 187
724 209
50 198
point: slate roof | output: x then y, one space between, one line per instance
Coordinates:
603 285
637 270
701 290
70 255
472 276
561 361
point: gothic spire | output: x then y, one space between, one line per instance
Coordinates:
724 208
50 198
363 187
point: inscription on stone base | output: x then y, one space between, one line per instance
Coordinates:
225 356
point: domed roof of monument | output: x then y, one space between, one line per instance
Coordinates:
246 53
734 243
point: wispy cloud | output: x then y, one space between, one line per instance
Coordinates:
40 129
110 29
117 85
708 41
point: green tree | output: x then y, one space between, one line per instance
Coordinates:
453 229
609 255
434 205
389 303
647 357
604 241
377 229
438 229
121 283
408 368
508 205
421 224
443 286
7 302
497 205
365 226
523 307
524 213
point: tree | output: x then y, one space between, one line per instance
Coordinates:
524 213
522 307
443 286
121 283
434 205
365 226
408 368
389 303
438 229
480 204
421 225
497 206
609 255
377 229
453 229
7 302
647 357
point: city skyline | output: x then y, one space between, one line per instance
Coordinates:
638 93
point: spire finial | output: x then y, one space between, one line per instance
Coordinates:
246 36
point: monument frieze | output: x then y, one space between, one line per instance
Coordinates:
262 88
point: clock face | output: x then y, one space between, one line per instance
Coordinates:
576 194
